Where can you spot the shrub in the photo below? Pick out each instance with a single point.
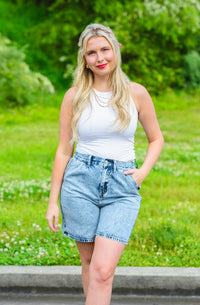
(155, 36)
(18, 84)
(192, 69)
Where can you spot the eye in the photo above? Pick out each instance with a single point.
(91, 52)
(106, 49)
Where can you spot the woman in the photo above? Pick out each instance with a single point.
(99, 184)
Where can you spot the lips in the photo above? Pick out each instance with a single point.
(101, 66)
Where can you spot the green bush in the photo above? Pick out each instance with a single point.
(155, 35)
(18, 84)
(192, 69)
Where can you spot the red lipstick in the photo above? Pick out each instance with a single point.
(101, 66)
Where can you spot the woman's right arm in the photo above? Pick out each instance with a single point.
(63, 155)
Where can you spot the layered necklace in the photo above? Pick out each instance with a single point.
(102, 101)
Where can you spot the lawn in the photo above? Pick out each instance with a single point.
(167, 230)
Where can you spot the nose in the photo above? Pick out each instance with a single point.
(99, 57)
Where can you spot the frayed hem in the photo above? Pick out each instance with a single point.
(112, 237)
(78, 238)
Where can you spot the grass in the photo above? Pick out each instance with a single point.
(167, 230)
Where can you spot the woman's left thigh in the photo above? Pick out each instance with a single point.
(105, 257)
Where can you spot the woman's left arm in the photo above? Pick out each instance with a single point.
(148, 119)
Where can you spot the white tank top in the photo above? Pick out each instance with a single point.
(99, 137)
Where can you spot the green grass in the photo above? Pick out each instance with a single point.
(167, 230)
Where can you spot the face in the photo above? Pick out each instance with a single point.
(99, 56)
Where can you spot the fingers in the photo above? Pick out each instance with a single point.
(130, 171)
(51, 224)
(135, 173)
(55, 225)
(52, 218)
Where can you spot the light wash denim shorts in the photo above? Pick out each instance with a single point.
(97, 198)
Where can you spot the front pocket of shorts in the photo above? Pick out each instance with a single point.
(132, 180)
(73, 166)
(68, 165)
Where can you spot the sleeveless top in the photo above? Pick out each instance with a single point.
(97, 134)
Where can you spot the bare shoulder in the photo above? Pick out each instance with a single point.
(139, 94)
(66, 106)
(69, 96)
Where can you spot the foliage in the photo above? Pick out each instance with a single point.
(155, 35)
(18, 84)
(192, 69)
(16, 22)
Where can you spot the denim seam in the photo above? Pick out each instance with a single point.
(112, 237)
(116, 167)
(101, 162)
(78, 238)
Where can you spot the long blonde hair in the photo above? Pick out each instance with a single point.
(84, 79)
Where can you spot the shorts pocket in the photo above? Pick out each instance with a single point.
(73, 167)
(138, 187)
(69, 163)
(134, 180)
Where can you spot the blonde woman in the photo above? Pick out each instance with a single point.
(100, 183)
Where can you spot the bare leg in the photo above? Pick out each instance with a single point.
(105, 258)
(85, 251)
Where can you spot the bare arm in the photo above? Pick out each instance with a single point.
(148, 119)
(63, 155)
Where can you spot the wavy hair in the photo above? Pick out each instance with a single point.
(84, 79)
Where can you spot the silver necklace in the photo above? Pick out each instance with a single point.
(100, 101)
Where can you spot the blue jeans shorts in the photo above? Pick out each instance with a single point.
(97, 198)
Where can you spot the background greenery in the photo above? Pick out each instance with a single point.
(159, 37)
(160, 49)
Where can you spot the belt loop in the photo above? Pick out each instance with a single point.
(89, 161)
(115, 165)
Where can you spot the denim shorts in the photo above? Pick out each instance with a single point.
(97, 198)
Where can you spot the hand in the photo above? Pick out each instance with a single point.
(137, 175)
(52, 217)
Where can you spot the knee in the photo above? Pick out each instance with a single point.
(101, 274)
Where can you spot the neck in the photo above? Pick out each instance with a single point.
(102, 84)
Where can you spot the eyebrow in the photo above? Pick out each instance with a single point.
(91, 50)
